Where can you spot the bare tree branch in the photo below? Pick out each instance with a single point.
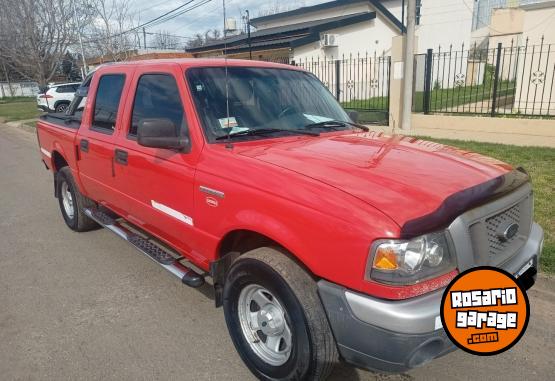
(36, 35)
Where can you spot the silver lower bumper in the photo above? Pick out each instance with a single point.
(399, 335)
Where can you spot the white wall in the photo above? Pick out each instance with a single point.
(363, 49)
(372, 37)
(539, 22)
(18, 89)
(534, 89)
(444, 22)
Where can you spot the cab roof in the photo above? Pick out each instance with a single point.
(202, 62)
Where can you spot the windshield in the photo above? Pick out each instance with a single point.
(272, 100)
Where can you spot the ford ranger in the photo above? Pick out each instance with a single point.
(323, 241)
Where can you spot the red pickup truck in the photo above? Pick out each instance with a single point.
(323, 241)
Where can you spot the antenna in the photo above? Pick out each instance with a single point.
(226, 79)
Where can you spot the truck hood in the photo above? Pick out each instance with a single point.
(404, 177)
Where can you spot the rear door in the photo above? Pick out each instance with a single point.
(158, 184)
(96, 139)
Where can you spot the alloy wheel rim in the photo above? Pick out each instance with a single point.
(67, 200)
(264, 325)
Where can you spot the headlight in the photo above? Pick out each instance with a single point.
(403, 262)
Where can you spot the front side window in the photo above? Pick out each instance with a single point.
(157, 97)
(247, 99)
(106, 102)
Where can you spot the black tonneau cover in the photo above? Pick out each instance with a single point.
(63, 120)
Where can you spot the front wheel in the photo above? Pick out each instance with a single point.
(275, 318)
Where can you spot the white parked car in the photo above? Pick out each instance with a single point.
(57, 97)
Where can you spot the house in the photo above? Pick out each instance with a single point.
(525, 20)
(526, 35)
(342, 28)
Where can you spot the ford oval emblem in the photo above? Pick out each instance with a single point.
(211, 201)
(506, 232)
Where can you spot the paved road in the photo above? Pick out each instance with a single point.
(88, 306)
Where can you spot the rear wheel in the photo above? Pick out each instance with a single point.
(275, 318)
(72, 203)
(61, 107)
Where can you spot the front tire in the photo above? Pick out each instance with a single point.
(72, 203)
(275, 318)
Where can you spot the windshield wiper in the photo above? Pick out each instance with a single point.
(334, 124)
(262, 131)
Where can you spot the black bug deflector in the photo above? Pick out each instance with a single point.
(462, 201)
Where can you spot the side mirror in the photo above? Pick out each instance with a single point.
(353, 115)
(160, 133)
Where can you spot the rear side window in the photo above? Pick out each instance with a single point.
(66, 89)
(157, 96)
(106, 102)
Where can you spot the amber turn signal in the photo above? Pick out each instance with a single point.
(385, 259)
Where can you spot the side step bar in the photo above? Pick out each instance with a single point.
(165, 259)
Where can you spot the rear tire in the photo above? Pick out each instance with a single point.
(283, 298)
(61, 107)
(72, 203)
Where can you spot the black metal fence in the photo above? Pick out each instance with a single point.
(511, 80)
(359, 82)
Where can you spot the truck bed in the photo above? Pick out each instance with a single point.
(56, 135)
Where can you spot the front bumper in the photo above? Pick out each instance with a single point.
(395, 336)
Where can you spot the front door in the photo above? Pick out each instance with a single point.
(158, 183)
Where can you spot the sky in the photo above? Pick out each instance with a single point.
(208, 16)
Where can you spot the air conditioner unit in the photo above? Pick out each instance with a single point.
(329, 40)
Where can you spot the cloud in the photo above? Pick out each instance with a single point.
(208, 16)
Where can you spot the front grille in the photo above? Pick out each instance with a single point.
(495, 223)
(476, 234)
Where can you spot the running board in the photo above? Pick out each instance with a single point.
(165, 259)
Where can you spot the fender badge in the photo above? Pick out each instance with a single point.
(211, 201)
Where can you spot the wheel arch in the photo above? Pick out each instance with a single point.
(61, 101)
(58, 161)
(238, 242)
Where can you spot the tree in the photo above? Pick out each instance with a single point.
(196, 42)
(35, 35)
(113, 32)
(164, 40)
(279, 7)
(69, 67)
(201, 39)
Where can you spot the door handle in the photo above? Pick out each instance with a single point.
(84, 144)
(121, 157)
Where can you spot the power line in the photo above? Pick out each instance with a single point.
(155, 21)
(149, 8)
(183, 11)
(201, 18)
